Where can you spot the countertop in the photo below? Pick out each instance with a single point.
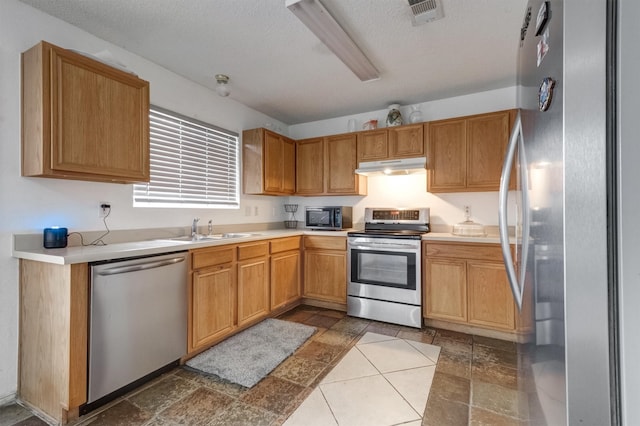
(152, 246)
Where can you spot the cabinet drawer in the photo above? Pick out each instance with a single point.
(258, 249)
(285, 244)
(212, 256)
(327, 243)
(477, 251)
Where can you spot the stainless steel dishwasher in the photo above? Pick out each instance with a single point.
(138, 320)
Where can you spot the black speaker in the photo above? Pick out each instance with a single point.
(55, 237)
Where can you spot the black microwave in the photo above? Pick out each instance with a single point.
(328, 218)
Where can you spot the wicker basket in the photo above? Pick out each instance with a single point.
(291, 224)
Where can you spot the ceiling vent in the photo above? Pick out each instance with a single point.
(425, 11)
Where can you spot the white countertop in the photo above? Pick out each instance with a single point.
(91, 253)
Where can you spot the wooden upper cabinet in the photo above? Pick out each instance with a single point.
(326, 166)
(466, 154)
(340, 166)
(373, 145)
(391, 143)
(406, 141)
(269, 163)
(82, 119)
(310, 166)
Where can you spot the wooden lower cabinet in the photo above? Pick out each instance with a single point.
(285, 272)
(466, 283)
(325, 268)
(253, 282)
(212, 296)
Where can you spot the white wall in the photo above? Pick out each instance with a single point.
(411, 191)
(29, 204)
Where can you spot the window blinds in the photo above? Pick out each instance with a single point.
(193, 164)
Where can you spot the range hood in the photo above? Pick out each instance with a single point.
(403, 166)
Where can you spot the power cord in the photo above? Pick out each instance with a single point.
(98, 241)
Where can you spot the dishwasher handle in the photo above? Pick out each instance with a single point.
(141, 266)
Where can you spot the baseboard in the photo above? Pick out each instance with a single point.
(478, 331)
(322, 304)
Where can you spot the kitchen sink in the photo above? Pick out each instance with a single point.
(197, 238)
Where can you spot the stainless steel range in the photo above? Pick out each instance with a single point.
(384, 266)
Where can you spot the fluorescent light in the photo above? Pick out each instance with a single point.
(318, 19)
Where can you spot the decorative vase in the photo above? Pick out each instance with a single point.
(416, 114)
(394, 118)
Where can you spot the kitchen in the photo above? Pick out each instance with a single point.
(24, 199)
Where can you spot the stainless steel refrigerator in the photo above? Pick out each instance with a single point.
(558, 267)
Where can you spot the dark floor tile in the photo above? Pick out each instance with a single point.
(456, 364)
(241, 414)
(480, 417)
(296, 316)
(452, 345)
(451, 388)
(302, 371)
(13, 413)
(197, 408)
(383, 328)
(273, 394)
(496, 373)
(503, 345)
(123, 413)
(318, 351)
(163, 393)
(351, 325)
(499, 399)
(333, 314)
(455, 335)
(212, 382)
(335, 338)
(417, 336)
(321, 321)
(441, 412)
(493, 355)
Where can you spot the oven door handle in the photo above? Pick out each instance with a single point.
(388, 247)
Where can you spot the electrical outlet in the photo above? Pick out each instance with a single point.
(255, 210)
(105, 209)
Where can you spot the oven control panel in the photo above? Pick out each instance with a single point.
(390, 215)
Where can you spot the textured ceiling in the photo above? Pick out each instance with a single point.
(277, 66)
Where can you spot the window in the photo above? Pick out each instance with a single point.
(193, 164)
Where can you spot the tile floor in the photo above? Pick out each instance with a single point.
(474, 383)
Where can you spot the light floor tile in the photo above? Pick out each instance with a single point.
(394, 355)
(370, 337)
(352, 366)
(416, 423)
(367, 401)
(413, 385)
(430, 351)
(314, 411)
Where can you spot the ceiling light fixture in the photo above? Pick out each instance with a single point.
(318, 19)
(222, 89)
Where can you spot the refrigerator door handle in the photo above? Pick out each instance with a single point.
(516, 136)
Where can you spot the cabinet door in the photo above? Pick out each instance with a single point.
(288, 166)
(310, 167)
(285, 278)
(487, 140)
(340, 165)
(273, 162)
(446, 290)
(83, 119)
(325, 275)
(213, 303)
(406, 141)
(253, 289)
(372, 145)
(447, 158)
(490, 300)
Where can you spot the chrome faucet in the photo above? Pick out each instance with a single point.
(194, 227)
(210, 226)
